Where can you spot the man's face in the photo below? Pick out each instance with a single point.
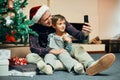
(46, 19)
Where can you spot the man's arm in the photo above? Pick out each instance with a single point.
(35, 46)
(74, 32)
(80, 35)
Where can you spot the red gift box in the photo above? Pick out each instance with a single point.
(18, 61)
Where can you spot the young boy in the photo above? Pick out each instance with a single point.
(61, 40)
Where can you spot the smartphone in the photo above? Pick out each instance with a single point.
(86, 19)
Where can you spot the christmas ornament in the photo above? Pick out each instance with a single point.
(8, 21)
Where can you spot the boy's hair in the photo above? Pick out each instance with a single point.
(56, 17)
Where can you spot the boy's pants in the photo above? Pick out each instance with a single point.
(77, 52)
(64, 57)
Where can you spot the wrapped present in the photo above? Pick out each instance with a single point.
(5, 54)
(18, 61)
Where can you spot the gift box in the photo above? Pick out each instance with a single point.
(5, 54)
(4, 67)
(17, 61)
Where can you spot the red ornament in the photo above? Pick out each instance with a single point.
(10, 38)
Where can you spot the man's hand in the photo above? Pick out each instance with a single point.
(57, 51)
(86, 29)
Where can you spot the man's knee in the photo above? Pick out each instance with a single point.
(80, 49)
(33, 58)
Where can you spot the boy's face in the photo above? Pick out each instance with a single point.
(60, 25)
(46, 19)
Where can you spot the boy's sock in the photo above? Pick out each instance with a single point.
(78, 68)
(47, 69)
(59, 65)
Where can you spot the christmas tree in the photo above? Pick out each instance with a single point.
(14, 26)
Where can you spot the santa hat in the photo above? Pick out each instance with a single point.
(37, 12)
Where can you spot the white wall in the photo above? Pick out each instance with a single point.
(108, 27)
(32, 3)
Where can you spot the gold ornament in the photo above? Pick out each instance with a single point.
(11, 14)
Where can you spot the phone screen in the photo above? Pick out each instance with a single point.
(86, 19)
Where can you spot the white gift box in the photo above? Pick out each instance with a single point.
(5, 54)
(4, 67)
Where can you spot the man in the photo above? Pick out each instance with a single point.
(41, 16)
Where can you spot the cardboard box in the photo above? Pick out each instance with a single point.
(19, 50)
(4, 67)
